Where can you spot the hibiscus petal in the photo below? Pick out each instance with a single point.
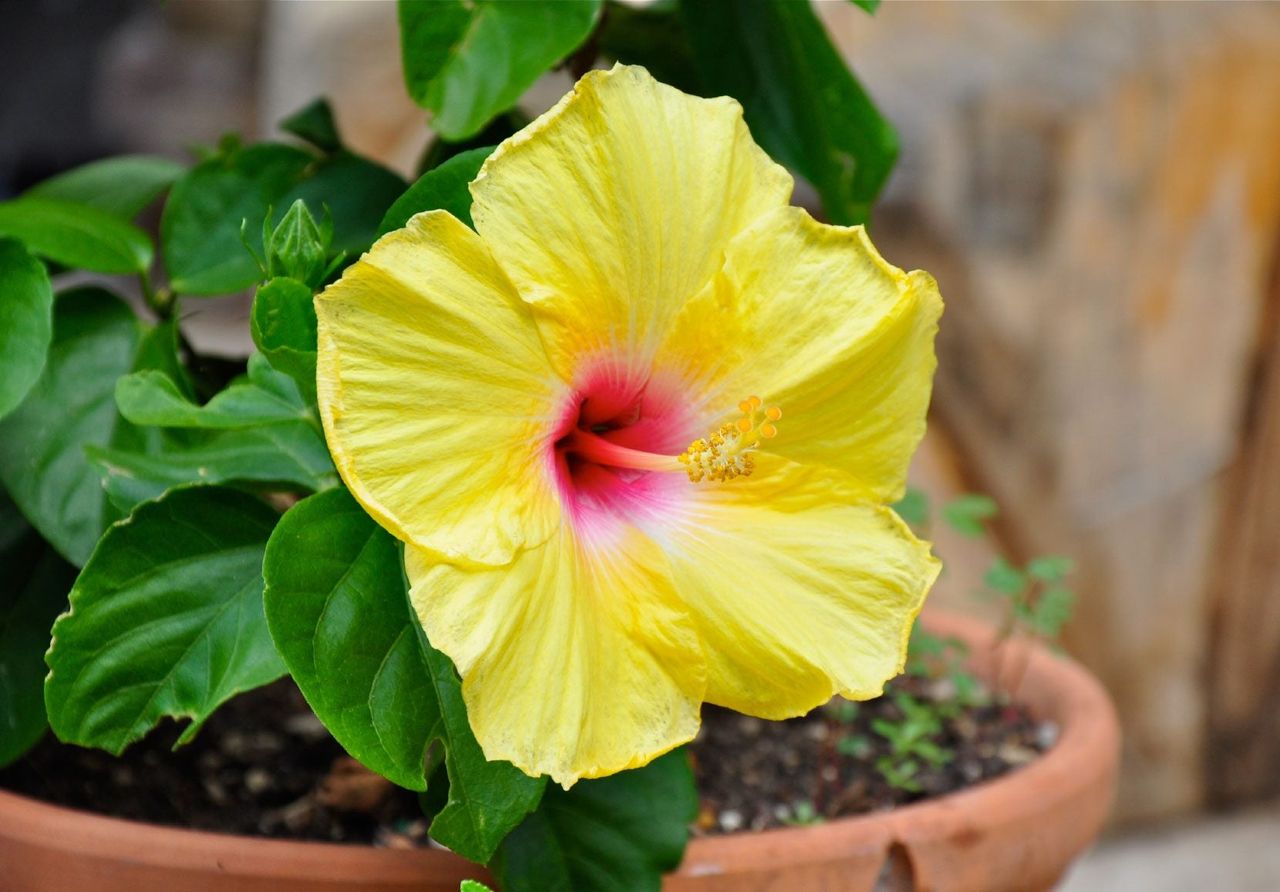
(614, 208)
(576, 660)
(812, 319)
(797, 593)
(437, 396)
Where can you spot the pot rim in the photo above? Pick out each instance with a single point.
(1052, 687)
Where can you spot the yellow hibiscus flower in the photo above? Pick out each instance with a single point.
(560, 416)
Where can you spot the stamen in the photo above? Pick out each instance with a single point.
(722, 455)
(727, 453)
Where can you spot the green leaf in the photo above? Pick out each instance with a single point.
(913, 507)
(440, 150)
(1052, 610)
(615, 834)
(283, 324)
(870, 6)
(34, 592)
(337, 607)
(166, 620)
(289, 457)
(200, 229)
(259, 429)
(76, 235)
(13, 526)
(965, 514)
(71, 406)
(1004, 577)
(120, 186)
(355, 191)
(26, 322)
(804, 106)
(486, 799)
(655, 38)
(265, 396)
(444, 187)
(1050, 567)
(314, 123)
(473, 886)
(468, 60)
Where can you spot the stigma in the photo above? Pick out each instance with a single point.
(727, 453)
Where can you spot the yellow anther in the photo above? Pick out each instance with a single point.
(726, 453)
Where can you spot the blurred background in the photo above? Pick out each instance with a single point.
(1096, 188)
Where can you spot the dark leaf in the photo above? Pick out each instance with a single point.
(26, 322)
(615, 834)
(32, 594)
(315, 124)
(445, 187)
(71, 406)
(339, 612)
(804, 106)
(166, 620)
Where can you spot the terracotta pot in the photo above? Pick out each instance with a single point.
(1019, 832)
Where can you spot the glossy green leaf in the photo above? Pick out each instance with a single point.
(870, 6)
(444, 187)
(339, 613)
(264, 396)
(355, 191)
(259, 429)
(71, 406)
(121, 186)
(289, 457)
(283, 325)
(336, 609)
(486, 799)
(468, 60)
(166, 620)
(26, 322)
(201, 228)
(76, 235)
(615, 834)
(315, 124)
(32, 594)
(804, 106)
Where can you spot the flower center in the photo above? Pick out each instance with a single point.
(720, 456)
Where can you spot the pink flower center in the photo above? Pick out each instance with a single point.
(622, 449)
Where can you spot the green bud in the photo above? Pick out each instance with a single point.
(298, 247)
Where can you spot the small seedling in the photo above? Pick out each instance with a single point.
(856, 746)
(803, 814)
